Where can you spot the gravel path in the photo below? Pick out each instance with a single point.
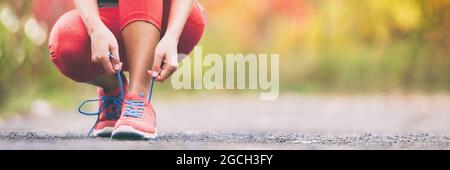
(291, 122)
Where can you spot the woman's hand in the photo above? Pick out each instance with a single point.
(166, 58)
(104, 44)
(103, 41)
(166, 55)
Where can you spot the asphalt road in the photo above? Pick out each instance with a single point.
(290, 122)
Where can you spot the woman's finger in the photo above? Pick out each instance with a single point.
(107, 65)
(94, 58)
(166, 73)
(156, 68)
(173, 58)
(114, 57)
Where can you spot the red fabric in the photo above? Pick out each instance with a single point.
(69, 43)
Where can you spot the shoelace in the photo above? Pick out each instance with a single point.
(134, 108)
(131, 105)
(107, 102)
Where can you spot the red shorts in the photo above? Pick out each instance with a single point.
(70, 46)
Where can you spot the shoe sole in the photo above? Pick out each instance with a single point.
(128, 132)
(105, 132)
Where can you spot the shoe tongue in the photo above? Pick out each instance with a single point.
(136, 97)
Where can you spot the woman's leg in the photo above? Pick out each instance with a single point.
(108, 82)
(69, 46)
(70, 49)
(193, 29)
(140, 22)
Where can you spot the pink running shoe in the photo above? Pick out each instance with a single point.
(110, 107)
(138, 119)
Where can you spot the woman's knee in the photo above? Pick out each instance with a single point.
(193, 30)
(69, 46)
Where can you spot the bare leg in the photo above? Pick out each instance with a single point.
(108, 82)
(140, 39)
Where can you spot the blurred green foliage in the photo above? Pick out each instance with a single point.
(344, 46)
(341, 46)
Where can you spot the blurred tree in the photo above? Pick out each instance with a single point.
(325, 46)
